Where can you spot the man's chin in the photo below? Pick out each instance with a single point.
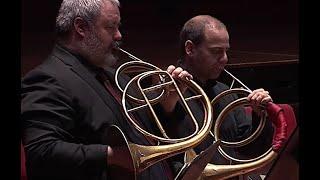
(110, 60)
(214, 76)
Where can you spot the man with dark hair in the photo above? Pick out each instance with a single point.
(204, 42)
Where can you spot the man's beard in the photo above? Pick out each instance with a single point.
(97, 53)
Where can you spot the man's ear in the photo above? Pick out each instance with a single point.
(189, 47)
(80, 26)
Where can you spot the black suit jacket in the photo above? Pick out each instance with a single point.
(66, 113)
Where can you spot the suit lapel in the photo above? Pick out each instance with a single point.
(87, 76)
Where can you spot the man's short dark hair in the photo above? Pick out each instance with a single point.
(193, 30)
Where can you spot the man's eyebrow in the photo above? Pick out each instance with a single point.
(219, 48)
(113, 24)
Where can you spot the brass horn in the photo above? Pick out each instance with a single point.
(144, 156)
(212, 171)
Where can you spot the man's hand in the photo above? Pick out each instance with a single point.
(258, 97)
(179, 73)
(170, 102)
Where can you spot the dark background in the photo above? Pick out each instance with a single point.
(263, 33)
(264, 38)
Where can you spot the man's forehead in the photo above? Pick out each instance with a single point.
(110, 10)
(217, 37)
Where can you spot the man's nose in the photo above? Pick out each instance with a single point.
(224, 58)
(117, 36)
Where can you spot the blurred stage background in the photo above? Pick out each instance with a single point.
(264, 36)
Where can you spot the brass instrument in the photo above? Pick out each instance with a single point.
(195, 165)
(212, 171)
(145, 156)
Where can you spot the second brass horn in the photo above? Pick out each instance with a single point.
(144, 156)
(213, 171)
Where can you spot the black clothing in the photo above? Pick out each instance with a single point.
(236, 126)
(66, 113)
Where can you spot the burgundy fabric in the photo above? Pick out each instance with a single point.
(23, 163)
(276, 115)
(284, 119)
(290, 118)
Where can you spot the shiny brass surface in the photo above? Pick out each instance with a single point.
(213, 171)
(144, 156)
